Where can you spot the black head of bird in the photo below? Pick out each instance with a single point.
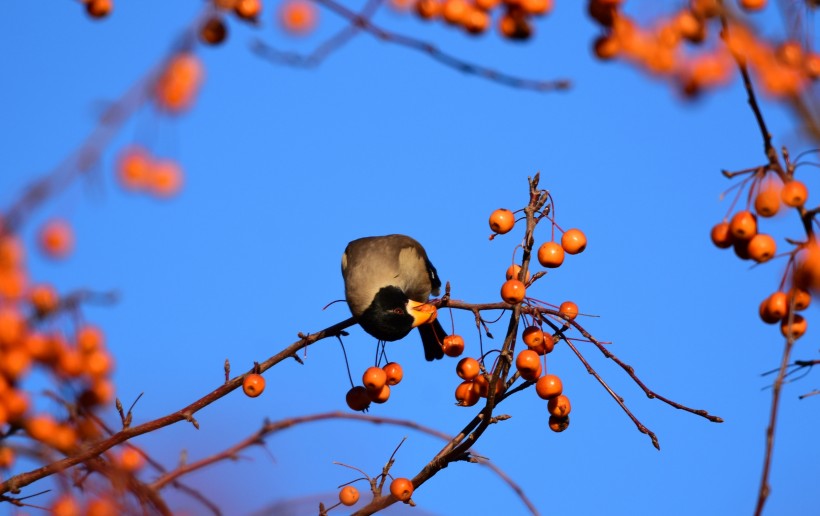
(388, 280)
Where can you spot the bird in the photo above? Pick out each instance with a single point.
(386, 279)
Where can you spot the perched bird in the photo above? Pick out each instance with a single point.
(386, 279)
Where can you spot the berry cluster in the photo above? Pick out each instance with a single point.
(529, 361)
(138, 171)
(768, 192)
(783, 70)
(475, 16)
(375, 388)
(78, 363)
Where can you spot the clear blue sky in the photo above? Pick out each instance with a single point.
(285, 166)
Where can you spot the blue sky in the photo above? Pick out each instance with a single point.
(285, 166)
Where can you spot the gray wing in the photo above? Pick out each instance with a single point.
(371, 263)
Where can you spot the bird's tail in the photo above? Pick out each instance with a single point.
(432, 335)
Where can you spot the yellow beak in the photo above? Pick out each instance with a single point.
(422, 313)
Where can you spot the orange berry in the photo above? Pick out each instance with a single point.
(514, 25)
(98, 8)
(486, 5)
(502, 221)
(514, 271)
(468, 368)
(777, 305)
(40, 347)
(374, 378)
(549, 386)
(89, 338)
(102, 507)
(476, 21)
(752, 5)
(801, 298)
(41, 427)
(56, 238)
(551, 255)
(15, 363)
(743, 225)
(133, 166)
(537, 7)
(213, 31)
(248, 9)
(807, 272)
(178, 84)
(454, 12)
(453, 345)
(573, 241)
(428, 9)
(765, 316)
(98, 364)
(44, 299)
(482, 385)
(64, 438)
(559, 406)
(16, 403)
(528, 364)
(6, 457)
(379, 396)
(66, 505)
(467, 394)
(349, 495)
(606, 47)
(165, 178)
(545, 347)
(253, 385)
(569, 309)
(12, 327)
(796, 329)
(794, 193)
(394, 373)
(11, 252)
(12, 284)
(762, 248)
(533, 336)
(513, 291)
(767, 202)
(69, 363)
(558, 424)
(131, 460)
(690, 26)
(102, 392)
(357, 398)
(401, 488)
(297, 16)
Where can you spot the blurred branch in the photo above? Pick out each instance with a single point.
(442, 57)
(15, 482)
(329, 46)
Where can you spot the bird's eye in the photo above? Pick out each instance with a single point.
(397, 311)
